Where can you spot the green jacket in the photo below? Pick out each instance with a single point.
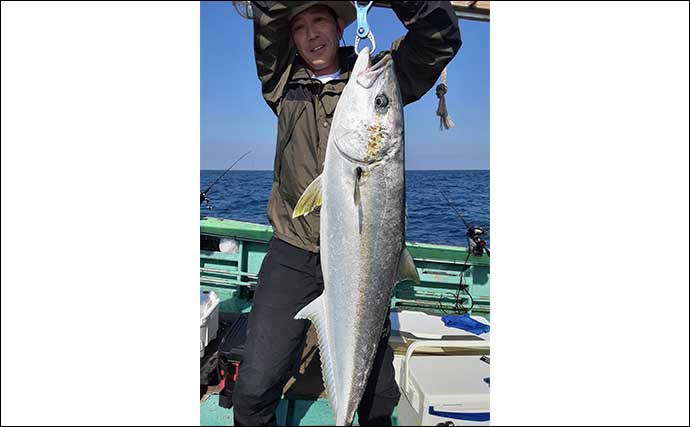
(305, 106)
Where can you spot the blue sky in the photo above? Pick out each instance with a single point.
(235, 119)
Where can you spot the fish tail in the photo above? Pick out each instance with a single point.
(315, 311)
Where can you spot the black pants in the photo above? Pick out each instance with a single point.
(289, 279)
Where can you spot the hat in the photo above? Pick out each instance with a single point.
(344, 9)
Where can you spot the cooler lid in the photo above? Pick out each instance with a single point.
(425, 326)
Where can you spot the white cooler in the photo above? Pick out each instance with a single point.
(209, 318)
(441, 388)
(411, 326)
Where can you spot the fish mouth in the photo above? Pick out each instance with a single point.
(370, 74)
(382, 63)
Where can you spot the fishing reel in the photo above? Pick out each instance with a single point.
(205, 199)
(475, 244)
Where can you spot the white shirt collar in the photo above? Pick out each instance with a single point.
(327, 77)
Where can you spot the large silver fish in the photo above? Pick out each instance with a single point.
(362, 197)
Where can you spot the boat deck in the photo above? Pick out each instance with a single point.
(304, 396)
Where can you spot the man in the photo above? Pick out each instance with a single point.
(303, 73)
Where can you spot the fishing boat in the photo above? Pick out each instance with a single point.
(453, 280)
(442, 372)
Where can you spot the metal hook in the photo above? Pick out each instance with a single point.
(371, 39)
(363, 26)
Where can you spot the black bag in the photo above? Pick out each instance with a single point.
(230, 352)
(209, 370)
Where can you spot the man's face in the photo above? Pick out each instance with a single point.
(316, 34)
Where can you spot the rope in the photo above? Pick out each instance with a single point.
(442, 111)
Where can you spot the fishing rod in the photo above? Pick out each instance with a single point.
(204, 198)
(475, 244)
(452, 206)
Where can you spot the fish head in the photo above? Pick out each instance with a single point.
(368, 125)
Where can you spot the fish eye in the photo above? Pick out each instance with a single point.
(381, 102)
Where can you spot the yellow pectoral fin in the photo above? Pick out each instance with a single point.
(406, 268)
(310, 200)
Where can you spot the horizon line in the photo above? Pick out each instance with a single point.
(410, 170)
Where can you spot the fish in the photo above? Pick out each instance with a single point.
(361, 197)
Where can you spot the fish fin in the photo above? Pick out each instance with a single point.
(406, 268)
(315, 311)
(358, 197)
(310, 200)
(357, 194)
(360, 218)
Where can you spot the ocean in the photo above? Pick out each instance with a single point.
(243, 196)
